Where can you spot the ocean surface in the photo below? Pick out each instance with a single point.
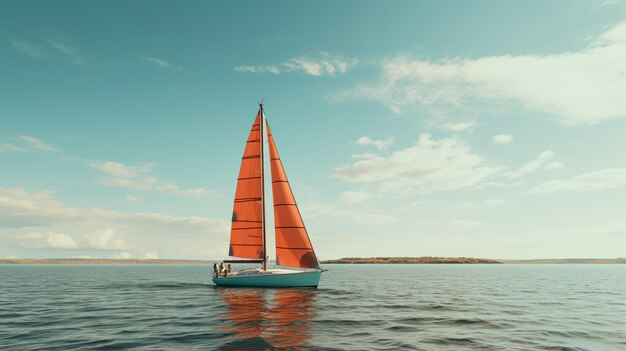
(356, 307)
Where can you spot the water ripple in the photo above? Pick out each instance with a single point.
(362, 307)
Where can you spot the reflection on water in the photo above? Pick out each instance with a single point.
(267, 319)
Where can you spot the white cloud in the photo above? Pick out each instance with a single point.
(379, 144)
(542, 161)
(138, 177)
(459, 126)
(124, 255)
(352, 197)
(105, 240)
(341, 215)
(22, 213)
(49, 240)
(603, 179)
(554, 165)
(118, 169)
(131, 198)
(495, 202)
(502, 139)
(615, 35)
(325, 65)
(195, 192)
(60, 241)
(151, 256)
(433, 165)
(365, 155)
(583, 87)
(450, 223)
(428, 166)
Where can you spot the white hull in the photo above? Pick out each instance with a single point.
(272, 278)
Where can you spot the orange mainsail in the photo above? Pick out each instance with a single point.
(246, 235)
(293, 247)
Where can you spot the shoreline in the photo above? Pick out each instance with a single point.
(345, 260)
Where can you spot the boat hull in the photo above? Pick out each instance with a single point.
(282, 280)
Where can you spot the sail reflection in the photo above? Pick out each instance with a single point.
(264, 319)
(291, 316)
(246, 310)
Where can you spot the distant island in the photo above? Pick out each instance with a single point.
(345, 260)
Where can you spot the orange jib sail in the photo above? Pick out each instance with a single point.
(293, 247)
(246, 235)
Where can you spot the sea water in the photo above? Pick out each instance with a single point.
(356, 307)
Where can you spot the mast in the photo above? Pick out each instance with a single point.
(262, 138)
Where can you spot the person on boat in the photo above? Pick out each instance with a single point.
(229, 268)
(220, 269)
(215, 269)
(225, 270)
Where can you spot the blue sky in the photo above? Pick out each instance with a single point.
(486, 128)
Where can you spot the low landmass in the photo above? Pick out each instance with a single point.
(471, 260)
(411, 260)
(345, 260)
(568, 261)
(97, 261)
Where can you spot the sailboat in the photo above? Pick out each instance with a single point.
(294, 251)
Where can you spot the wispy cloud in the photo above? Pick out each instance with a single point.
(502, 139)
(138, 177)
(543, 161)
(325, 65)
(352, 197)
(10, 148)
(258, 69)
(583, 87)
(382, 144)
(67, 51)
(27, 143)
(48, 45)
(38, 144)
(460, 126)
(603, 179)
(159, 62)
(26, 48)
